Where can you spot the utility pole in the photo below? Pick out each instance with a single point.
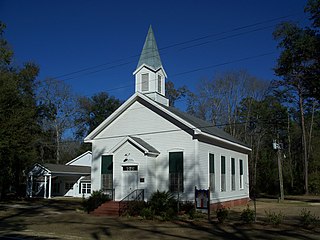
(277, 146)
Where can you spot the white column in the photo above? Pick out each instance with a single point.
(45, 187)
(50, 186)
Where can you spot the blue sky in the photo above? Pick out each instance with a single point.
(63, 37)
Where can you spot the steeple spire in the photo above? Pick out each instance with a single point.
(150, 75)
(150, 55)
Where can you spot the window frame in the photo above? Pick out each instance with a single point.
(223, 179)
(233, 174)
(85, 188)
(176, 167)
(145, 82)
(241, 185)
(159, 83)
(106, 172)
(212, 181)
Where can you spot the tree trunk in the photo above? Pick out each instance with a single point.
(289, 153)
(304, 143)
(311, 128)
(57, 144)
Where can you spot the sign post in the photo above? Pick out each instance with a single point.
(202, 200)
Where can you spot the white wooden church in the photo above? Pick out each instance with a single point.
(146, 144)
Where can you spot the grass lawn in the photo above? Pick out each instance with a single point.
(63, 219)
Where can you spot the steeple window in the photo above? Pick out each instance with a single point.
(145, 82)
(159, 83)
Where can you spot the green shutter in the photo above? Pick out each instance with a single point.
(106, 164)
(233, 167)
(211, 162)
(241, 167)
(223, 165)
(176, 162)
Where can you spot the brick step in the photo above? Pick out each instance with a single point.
(110, 208)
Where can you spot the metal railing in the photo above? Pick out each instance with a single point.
(136, 195)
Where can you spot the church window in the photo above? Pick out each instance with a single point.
(211, 172)
(223, 173)
(176, 171)
(107, 172)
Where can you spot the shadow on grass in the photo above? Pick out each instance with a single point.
(21, 236)
(17, 219)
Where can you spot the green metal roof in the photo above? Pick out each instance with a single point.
(150, 54)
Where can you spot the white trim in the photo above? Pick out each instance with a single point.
(135, 143)
(223, 140)
(44, 168)
(77, 158)
(137, 95)
(149, 67)
(109, 119)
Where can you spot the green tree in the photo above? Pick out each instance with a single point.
(174, 94)
(18, 118)
(93, 111)
(312, 71)
(262, 121)
(298, 65)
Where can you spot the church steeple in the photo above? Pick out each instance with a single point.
(150, 54)
(150, 75)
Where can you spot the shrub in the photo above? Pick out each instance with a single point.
(188, 208)
(94, 201)
(247, 215)
(192, 213)
(307, 219)
(147, 213)
(169, 214)
(222, 214)
(274, 218)
(163, 204)
(135, 208)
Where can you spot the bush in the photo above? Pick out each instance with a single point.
(163, 204)
(169, 214)
(188, 208)
(135, 208)
(222, 214)
(274, 218)
(307, 219)
(247, 215)
(94, 201)
(147, 213)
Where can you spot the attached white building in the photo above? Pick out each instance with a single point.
(71, 180)
(146, 144)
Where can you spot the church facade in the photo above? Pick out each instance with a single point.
(147, 144)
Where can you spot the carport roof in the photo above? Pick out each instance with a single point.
(65, 169)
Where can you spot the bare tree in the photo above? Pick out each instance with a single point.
(59, 109)
(217, 100)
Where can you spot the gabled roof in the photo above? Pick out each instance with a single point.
(204, 126)
(150, 55)
(194, 125)
(145, 147)
(79, 157)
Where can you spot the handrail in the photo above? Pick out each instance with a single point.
(136, 195)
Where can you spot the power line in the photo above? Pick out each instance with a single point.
(197, 69)
(181, 43)
(183, 129)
